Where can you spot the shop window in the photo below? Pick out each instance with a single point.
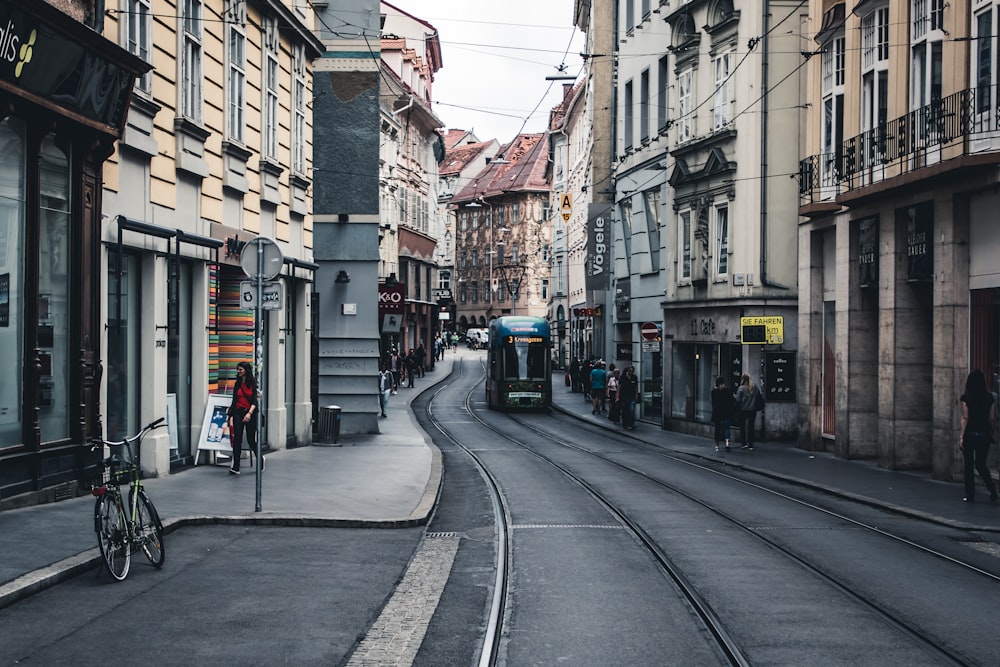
(12, 202)
(53, 291)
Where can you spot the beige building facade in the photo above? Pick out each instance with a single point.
(899, 276)
(216, 152)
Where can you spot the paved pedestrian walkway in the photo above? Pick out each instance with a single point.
(911, 493)
(386, 479)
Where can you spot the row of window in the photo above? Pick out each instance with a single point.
(136, 30)
(703, 237)
(474, 292)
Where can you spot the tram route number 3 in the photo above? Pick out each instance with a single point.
(272, 295)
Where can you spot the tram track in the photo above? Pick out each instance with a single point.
(934, 648)
(713, 622)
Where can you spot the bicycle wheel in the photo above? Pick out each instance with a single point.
(149, 531)
(112, 534)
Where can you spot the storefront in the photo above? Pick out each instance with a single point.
(65, 92)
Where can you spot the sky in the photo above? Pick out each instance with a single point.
(496, 56)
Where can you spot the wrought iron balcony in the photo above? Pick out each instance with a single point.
(961, 124)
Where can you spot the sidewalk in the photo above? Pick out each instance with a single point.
(910, 493)
(383, 480)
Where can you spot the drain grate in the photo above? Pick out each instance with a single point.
(440, 535)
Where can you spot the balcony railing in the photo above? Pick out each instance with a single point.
(960, 124)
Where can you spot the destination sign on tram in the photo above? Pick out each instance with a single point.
(524, 339)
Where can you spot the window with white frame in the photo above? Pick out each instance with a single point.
(644, 106)
(545, 289)
(875, 72)
(625, 213)
(684, 243)
(662, 85)
(444, 279)
(299, 109)
(833, 107)
(269, 130)
(722, 239)
(137, 28)
(926, 38)
(515, 253)
(628, 116)
(984, 59)
(652, 197)
(721, 113)
(545, 253)
(236, 70)
(685, 122)
(191, 56)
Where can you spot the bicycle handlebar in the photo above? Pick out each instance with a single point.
(100, 442)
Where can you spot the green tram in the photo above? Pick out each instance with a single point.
(518, 364)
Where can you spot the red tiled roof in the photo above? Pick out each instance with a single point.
(527, 156)
(456, 159)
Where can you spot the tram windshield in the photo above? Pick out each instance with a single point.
(525, 357)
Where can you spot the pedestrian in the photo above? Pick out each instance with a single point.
(748, 401)
(722, 412)
(395, 367)
(242, 414)
(598, 386)
(978, 418)
(574, 375)
(585, 369)
(385, 384)
(628, 394)
(420, 357)
(614, 403)
(410, 367)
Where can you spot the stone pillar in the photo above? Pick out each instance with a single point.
(951, 332)
(346, 213)
(857, 343)
(810, 353)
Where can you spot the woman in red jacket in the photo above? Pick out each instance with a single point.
(243, 413)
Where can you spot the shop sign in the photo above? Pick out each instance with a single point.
(391, 299)
(45, 62)
(868, 251)
(598, 246)
(919, 223)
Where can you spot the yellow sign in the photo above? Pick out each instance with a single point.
(566, 216)
(565, 202)
(762, 330)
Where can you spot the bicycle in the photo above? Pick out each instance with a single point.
(125, 529)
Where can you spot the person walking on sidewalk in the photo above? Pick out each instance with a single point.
(978, 417)
(722, 412)
(628, 395)
(748, 399)
(242, 414)
(385, 384)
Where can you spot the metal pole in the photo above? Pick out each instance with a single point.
(258, 346)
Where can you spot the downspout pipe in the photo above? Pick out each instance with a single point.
(765, 22)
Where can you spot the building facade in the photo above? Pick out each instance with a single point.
(65, 92)
(899, 283)
(503, 239)
(705, 143)
(217, 152)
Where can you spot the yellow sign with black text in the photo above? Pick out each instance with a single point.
(566, 202)
(762, 330)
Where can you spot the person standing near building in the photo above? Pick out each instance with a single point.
(722, 412)
(746, 403)
(978, 418)
(598, 386)
(243, 414)
(628, 395)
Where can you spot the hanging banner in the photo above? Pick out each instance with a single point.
(868, 251)
(598, 246)
(918, 223)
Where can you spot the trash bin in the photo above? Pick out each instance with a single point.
(329, 424)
